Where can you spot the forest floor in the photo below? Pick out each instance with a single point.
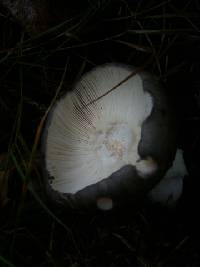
(32, 69)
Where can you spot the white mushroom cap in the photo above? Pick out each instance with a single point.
(110, 140)
(88, 140)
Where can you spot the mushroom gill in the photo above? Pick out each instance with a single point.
(89, 137)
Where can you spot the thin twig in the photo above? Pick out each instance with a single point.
(133, 73)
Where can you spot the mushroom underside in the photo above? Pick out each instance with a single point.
(100, 146)
(88, 140)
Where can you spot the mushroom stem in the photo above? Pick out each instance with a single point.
(169, 189)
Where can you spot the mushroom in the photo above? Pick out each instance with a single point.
(168, 191)
(110, 140)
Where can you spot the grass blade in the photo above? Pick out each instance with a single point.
(6, 262)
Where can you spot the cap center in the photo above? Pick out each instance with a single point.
(113, 143)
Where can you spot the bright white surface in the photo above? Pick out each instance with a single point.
(169, 190)
(86, 143)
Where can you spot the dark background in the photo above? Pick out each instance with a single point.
(76, 36)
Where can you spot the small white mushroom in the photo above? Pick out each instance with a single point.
(104, 203)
